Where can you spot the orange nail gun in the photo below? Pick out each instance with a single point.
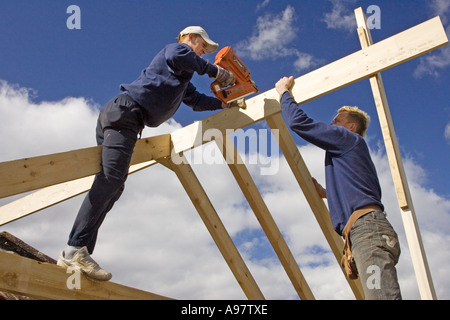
(244, 85)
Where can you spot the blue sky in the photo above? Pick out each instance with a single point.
(44, 63)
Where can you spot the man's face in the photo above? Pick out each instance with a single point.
(199, 46)
(342, 120)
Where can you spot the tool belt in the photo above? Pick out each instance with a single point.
(347, 261)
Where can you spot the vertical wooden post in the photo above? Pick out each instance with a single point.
(419, 260)
(215, 227)
(262, 213)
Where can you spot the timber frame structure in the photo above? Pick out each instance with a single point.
(64, 175)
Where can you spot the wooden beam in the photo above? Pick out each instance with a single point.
(41, 280)
(51, 196)
(256, 202)
(417, 251)
(227, 120)
(304, 179)
(216, 228)
(29, 174)
(385, 54)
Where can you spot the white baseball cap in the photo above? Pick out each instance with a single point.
(212, 46)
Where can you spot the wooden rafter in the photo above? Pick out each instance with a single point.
(216, 228)
(256, 202)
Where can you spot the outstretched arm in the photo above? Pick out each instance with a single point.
(331, 138)
(284, 84)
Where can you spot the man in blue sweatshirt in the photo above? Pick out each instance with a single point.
(352, 190)
(150, 100)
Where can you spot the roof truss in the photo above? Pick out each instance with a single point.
(64, 175)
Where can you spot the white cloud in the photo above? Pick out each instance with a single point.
(272, 34)
(154, 239)
(341, 15)
(447, 133)
(433, 63)
(46, 127)
(440, 8)
(262, 5)
(271, 39)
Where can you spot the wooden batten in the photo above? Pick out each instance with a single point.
(23, 175)
(211, 219)
(52, 195)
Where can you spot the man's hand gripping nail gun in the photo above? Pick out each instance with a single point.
(233, 81)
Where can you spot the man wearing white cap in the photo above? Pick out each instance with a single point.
(150, 100)
(211, 46)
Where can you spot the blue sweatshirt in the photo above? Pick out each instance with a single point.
(351, 178)
(165, 84)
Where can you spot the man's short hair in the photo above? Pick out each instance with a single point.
(361, 118)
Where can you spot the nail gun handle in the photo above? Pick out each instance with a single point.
(225, 77)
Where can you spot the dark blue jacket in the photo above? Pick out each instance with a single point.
(351, 178)
(165, 84)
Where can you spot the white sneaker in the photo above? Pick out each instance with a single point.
(84, 262)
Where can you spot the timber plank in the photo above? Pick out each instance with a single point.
(29, 174)
(382, 55)
(42, 280)
(52, 195)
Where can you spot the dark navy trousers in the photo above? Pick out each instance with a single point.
(118, 126)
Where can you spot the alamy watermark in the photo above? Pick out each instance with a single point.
(259, 147)
(374, 280)
(74, 20)
(73, 282)
(374, 20)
